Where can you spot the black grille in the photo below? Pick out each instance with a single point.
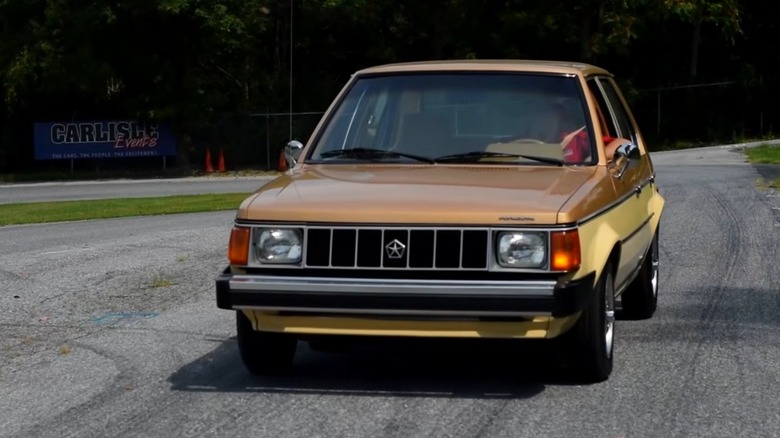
(397, 248)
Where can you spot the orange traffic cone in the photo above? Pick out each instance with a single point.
(221, 162)
(209, 166)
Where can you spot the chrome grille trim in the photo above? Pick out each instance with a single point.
(435, 235)
(460, 255)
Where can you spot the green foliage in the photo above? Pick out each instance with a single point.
(725, 14)
(764, 154)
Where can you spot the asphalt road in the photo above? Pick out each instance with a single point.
(61, 191)
(109, 328)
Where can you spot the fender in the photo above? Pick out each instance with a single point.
(597, 240)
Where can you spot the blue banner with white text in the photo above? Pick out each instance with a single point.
(102, 139)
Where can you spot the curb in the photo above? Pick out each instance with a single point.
(741, 146)
(192, 179)
(729, 147)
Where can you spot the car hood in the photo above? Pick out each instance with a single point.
(429, 194)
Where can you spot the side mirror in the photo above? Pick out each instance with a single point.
(292, 152)
(622, 155)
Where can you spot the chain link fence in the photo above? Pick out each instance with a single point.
(721, 112)
(670, 117)
(251, 141)
(246, 141)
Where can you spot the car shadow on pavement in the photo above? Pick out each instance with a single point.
(402, 368)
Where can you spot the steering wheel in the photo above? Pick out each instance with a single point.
(526, 140)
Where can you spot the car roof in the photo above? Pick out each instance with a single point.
(489, 65)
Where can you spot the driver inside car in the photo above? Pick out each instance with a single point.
(572, 133)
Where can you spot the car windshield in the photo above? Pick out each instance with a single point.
(485, 118)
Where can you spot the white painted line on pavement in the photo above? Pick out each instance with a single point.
(64, 251)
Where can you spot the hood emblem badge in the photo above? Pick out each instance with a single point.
(395, 249)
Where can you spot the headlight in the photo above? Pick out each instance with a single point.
(522, 249)
(277, 245)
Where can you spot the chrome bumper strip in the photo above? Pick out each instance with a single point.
(314, 285)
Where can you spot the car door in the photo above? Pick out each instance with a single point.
(633, 186)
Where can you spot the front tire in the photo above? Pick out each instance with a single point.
(264, 353)
(640, 300)
(590, 343)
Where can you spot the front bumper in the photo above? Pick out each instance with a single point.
(350, 296)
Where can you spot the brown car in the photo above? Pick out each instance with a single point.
(482, 199)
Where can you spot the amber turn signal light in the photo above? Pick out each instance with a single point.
(565, 253)
(238, 250)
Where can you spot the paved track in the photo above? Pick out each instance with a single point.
(61, 191)
(110, 329)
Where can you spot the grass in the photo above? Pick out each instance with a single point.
(764, 184)
(764, 154)
(162, 282)
(64, 211)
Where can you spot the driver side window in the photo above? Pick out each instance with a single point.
(604, 110)
(621, 115)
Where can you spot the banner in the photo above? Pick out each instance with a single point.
(104, 139)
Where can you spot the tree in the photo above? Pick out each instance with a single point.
(724, 14)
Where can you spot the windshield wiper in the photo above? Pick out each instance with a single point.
(476, 155)
(373, 154)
